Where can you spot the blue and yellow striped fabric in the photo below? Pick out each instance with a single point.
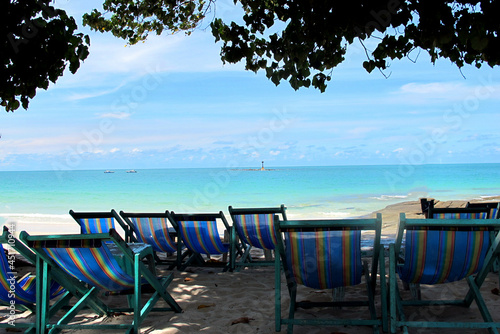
(22, 292)
(256, 230)
(202, 237)
(95, 266)
(433, 257)
(461, 215)
(154, 231)
(494, 213)
(324, 259)
(96, 225)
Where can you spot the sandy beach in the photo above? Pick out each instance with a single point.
(243, 302)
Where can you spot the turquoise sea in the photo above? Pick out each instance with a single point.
(36, 197)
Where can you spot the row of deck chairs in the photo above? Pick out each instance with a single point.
(194, 238)
(319, 254)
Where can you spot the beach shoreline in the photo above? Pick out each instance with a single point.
(35, 223)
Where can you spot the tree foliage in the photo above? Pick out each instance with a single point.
(133, 20)
(290, 40)
(302, 41)
(38, 42)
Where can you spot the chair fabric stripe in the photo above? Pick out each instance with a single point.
(154, 231)
(96, 225)
(202, 237)
(95, 266)
(324, 259)
(23, 292)
(460, 215)
(256, 230)
(433, 257)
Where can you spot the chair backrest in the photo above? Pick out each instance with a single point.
(86, 257)
(325, 254)
(10, 289)
(492, 207)
(152, 229)
(22, 291)
(442, 250)
(456, 213)
(199, 232)
(102, 222)
(255, 226)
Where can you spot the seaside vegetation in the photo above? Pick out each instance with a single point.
(295, 41)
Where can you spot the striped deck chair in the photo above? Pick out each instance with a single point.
(153, 229)
(109, 267)
(102, 222)
(200, 235)
(20, 293)
(438, 252)
(253, 228)
(326, 254)
(492, 207)
(458, 213)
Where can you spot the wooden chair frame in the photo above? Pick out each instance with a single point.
(84, 229)
(195, 257)
(369, 274)
(131, 264)
(398, 318)
(239, 240)
(160, 242)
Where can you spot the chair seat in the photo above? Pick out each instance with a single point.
(253, 228)
(440, 251)
(88, 258)
(326, 254)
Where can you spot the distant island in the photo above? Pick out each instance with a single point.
(254, 169)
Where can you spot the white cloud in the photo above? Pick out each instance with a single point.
(361, 131)
(433, 88)
(117, 115)
(449, 91)
(114, 149)
(398, 150)
(274, 152)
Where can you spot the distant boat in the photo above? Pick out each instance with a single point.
(108, 171)
(132, 171)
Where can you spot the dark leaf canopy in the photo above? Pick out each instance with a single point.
(302, 41)
(38, 42)
(297, 41)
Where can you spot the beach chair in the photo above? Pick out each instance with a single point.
(253, 227)
(447, 213)
(153, 229)
(200, 235)
(108, 267)
(326, 254)
(458, 213)
(439, 251)
(102, 222)
(492, 207)
(19, 294)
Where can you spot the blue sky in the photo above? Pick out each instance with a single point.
(170, 102)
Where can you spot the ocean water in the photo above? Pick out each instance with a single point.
(38, 197)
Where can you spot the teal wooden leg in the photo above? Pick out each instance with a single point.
(383, 292)
(277, 293)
